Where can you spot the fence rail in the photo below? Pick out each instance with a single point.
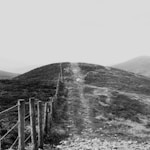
(43, 124)
(7, 110)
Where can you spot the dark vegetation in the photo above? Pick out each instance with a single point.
(117, 113)
(126, 97)
(116, 79)
(123, 106)
(120, 106)
(12, 90)
(39, 83)
(45, 74)
(59, 117)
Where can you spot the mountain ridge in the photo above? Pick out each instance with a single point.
(7, 75)
(139, 65)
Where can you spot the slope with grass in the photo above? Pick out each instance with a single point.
(102, 102)
(107, 104)
(39, 83)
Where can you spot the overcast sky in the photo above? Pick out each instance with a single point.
(104, 32)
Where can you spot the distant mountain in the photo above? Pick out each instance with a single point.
(7, 75)
(139, 65)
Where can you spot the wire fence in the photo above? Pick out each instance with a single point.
(43, 124)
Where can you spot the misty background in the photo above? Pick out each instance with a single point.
(36, 33)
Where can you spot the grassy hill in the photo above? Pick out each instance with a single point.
(115, 78)
(124, 94)
(139, 65)
(124, 89)
(7, 75)
(39, 83)
(102, 100)
(107, 104)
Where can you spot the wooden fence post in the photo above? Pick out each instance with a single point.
(45, 118)
(0, 144)
(49, 117)
(21, 125)
(33, 124)
(40, 129)
(51, 112)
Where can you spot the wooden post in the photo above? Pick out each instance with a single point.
(21, 125)
(49, 117)
(33, 124)
(54, 107)
(45, 118)
(51, 109)
(0, 144)
(40, 129)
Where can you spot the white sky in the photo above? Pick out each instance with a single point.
(104, 32)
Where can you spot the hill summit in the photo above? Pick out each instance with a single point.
(98, 97)
(139, 65)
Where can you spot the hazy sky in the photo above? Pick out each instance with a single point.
(104, 32)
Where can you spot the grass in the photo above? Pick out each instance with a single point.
(39, 83)
(114, 78)
(118, 113)
(107, 91)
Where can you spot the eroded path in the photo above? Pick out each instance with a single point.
(78, 104)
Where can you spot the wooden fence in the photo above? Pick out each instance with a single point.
(37, 111)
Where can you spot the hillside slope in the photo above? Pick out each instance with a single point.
(7, 75)
(109, 92)
(102, 102)
(39, 83)
(106, 104)
(139, 65)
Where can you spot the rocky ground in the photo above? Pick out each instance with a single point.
(99, 144)
(78, 143)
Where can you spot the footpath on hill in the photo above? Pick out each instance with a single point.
(83, 135)
(78, 104)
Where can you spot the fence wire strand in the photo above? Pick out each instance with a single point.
(26, 117)
(6, 110)
(8, 132)
(14, 143)
(26, 140)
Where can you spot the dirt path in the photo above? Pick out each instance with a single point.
(79, 81)
(79, 105)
